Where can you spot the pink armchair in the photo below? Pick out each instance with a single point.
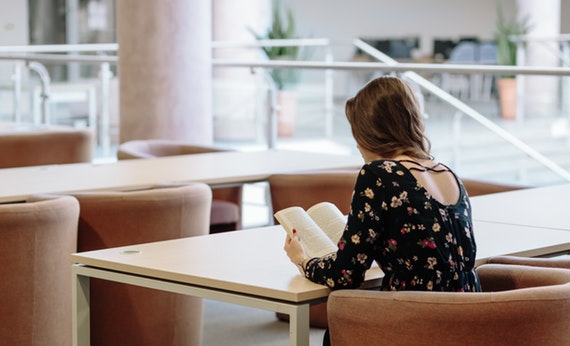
(38, 235)
(520, 305)
(227, 201)
(45, 146)
(130, 315)
(306, 189)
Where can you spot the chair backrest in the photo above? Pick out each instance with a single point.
(487, 53)
(465, 52)
(226, 214)
(45, 146)
(442, 48)
(305, 189)
(37, 238)
(130, 315)
(477, 187)
(149, 148)
(119, 218)
(553, 262)
(527, 314)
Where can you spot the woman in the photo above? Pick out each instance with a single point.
(408, 213)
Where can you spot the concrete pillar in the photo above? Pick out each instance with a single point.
(541, 92)
(239, 110)
(165, 69)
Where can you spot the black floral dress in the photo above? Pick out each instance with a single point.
(419, 243)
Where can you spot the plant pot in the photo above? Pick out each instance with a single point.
(286, 112)
(507, 88)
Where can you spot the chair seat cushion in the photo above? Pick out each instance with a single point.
(224, 212)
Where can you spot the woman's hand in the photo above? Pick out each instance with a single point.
(294, 249)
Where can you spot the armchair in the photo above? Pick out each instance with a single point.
(477, 187)
(45, 146)
(227, 201)
(131, 315)
(520, 305)
(305, 189)
(38, 235)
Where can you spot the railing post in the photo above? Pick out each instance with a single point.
(329, 95)
(105, 75)
(565, 48)
(45, 81)
(521, 61)
(272, 110)
(17, 82)
(455, 151)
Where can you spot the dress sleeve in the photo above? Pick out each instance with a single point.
(357, 246)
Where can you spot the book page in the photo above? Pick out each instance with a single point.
(329, 218)
(315, 242)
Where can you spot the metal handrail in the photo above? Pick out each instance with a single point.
(388, 65)
(61, 48)
(400, 67)
(317, 65)
(480, 118)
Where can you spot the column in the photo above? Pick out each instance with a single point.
(240, 108)
(165, 69)
(541, 92)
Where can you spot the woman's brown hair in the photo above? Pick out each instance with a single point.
(386, 119)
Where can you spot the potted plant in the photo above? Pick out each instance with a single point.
(507, 55)
(283, 27)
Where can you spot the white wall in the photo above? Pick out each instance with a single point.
(13, 31)
(13, 22)
(388, 18)
(427, 19)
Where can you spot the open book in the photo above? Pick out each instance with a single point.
(320, 227)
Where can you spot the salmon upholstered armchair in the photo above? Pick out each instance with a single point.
(305, 189)
(552, 262)
(227, 201)
(45, 146)
(520, 305)
(38, 236)
(130, 315)
(478, 187)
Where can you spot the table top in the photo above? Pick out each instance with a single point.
(493, 238)
(544, 207)
(253, 261)
(16, 184)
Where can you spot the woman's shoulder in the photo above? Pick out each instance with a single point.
(384, 167)
(383, 173)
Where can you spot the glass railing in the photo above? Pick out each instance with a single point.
(460, 103)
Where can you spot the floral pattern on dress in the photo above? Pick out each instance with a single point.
(419, 243)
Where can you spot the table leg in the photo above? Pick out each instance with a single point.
(80, 307)
(299, 326)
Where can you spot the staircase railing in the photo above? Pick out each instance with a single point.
(386, 65)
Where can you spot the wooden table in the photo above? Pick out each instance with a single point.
(544, 207)
(243, 267)
(250, 268)
(220, 168)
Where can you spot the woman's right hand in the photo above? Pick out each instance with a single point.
(294, 249)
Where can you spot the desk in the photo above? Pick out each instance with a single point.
(247, 268)
(16, 184)
(544, 207)
(250, 268)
